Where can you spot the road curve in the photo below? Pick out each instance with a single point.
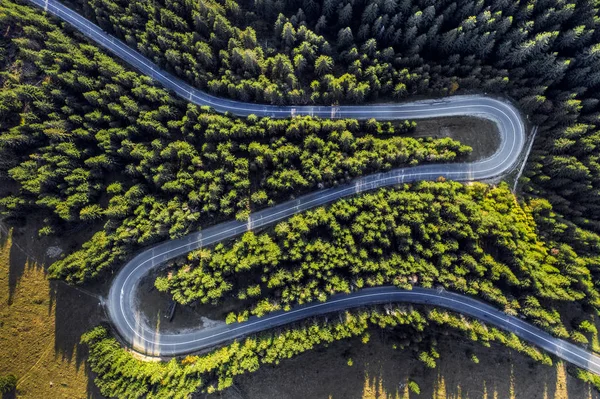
(121, 304)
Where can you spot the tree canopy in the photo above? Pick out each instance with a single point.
(84, 140)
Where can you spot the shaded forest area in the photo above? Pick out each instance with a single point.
(542, 53)
(87, 141)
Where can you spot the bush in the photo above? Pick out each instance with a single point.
(414, 387)
(8, 383)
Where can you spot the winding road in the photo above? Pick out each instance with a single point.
(123, 309)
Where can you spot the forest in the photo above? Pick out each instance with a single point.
(85, 140)
(473, 239)
(542, 53)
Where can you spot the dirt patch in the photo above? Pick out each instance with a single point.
(380, 371)
(481, 134)
(156, 305)
(155, 308)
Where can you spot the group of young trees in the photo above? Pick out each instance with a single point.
(473, 239)
(84, 140)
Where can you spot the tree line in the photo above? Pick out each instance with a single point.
(120, 374)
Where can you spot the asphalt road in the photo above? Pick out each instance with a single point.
(123, 308)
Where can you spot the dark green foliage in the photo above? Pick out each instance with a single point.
(8, 383)
(86, 140)
(543, 54)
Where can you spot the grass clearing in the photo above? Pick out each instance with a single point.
(28, 346)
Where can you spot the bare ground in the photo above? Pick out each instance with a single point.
(380, 371)
(480, 134)
(156, 304)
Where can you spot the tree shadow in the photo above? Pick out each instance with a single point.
(9, 395)
(29, 248)
(93, 392)
(76, 311)
(382, 372)
(18, 260)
